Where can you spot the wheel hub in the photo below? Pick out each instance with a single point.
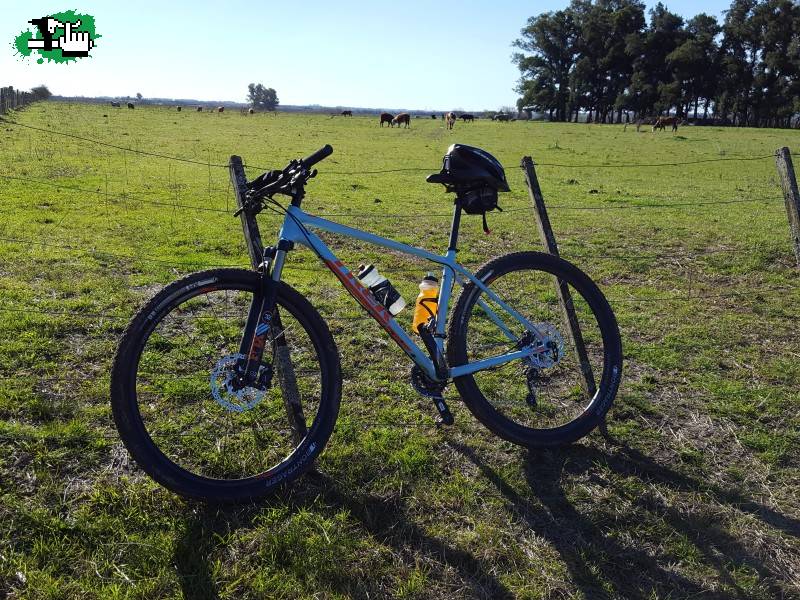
(548, 348)
(229, 389)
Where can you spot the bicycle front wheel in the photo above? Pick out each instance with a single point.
(562, 393)
(178, 408)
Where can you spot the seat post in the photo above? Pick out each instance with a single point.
(454, 226)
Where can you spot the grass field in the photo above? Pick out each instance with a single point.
(693, 493)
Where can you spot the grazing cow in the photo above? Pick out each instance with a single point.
(347, 113)
(179, 109)
(220, 109)
(433, 116)
(450, 119)
(115, 104)
(199, 109)
(387, 118)
(402, 118)
(131, 106)
(501, 117)
(467, 118)
(662, 122)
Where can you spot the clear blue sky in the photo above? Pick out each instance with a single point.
(409, 54)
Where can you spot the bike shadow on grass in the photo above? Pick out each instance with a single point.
(600, 564)
(386, 520)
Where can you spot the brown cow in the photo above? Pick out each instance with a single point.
(387, 118)
(450, 119)
(402, 118)
(347, 113)
(662, 122)
(220, 109)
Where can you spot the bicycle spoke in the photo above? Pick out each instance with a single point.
(182, 414)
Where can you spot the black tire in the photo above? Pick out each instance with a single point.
(501, 411)
(222, 294)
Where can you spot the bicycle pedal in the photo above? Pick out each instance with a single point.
(445, 416)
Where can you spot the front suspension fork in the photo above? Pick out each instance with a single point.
(261, 319)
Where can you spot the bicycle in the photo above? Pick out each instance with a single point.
(193, 391)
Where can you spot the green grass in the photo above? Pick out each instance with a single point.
(693, 494)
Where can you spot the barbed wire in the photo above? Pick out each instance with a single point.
(115, 146)
(134, 198)
(749, 294)
(392, 170)
(647, 165)
(565, 251)
(127, 257)
(126, 197)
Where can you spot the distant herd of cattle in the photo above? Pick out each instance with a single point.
(658, 123)
(405, 118)
(218, 109)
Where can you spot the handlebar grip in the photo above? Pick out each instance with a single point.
(317, 156)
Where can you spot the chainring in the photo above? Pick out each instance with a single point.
(425, 385)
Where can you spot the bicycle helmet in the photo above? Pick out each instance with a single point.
(467, 167)
(475, 176)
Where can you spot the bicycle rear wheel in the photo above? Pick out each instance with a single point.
(181, 416)
(524, 401)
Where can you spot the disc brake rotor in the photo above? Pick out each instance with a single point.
(549, 349)
(227, 393)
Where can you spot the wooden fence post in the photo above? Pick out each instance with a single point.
(282, 359)
(562, 289)
(791, 196)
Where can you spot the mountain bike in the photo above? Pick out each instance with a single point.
(227, 383)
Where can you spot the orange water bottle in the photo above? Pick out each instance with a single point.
(427, 302)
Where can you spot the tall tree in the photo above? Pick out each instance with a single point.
(601, 57)
(262, 98)
(41, 92)
(653, 85)
(549, 41)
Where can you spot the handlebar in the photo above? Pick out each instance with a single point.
(317, 156)
(290, 181)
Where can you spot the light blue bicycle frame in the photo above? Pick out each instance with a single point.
(295, 229)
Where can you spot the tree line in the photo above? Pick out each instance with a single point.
(603, 58)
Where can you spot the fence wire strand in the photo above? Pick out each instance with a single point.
(207, 163)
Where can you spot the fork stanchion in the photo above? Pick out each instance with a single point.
(562, 289)
(282, 358)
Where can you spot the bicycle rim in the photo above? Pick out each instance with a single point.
(185, 400)
(549, 391)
